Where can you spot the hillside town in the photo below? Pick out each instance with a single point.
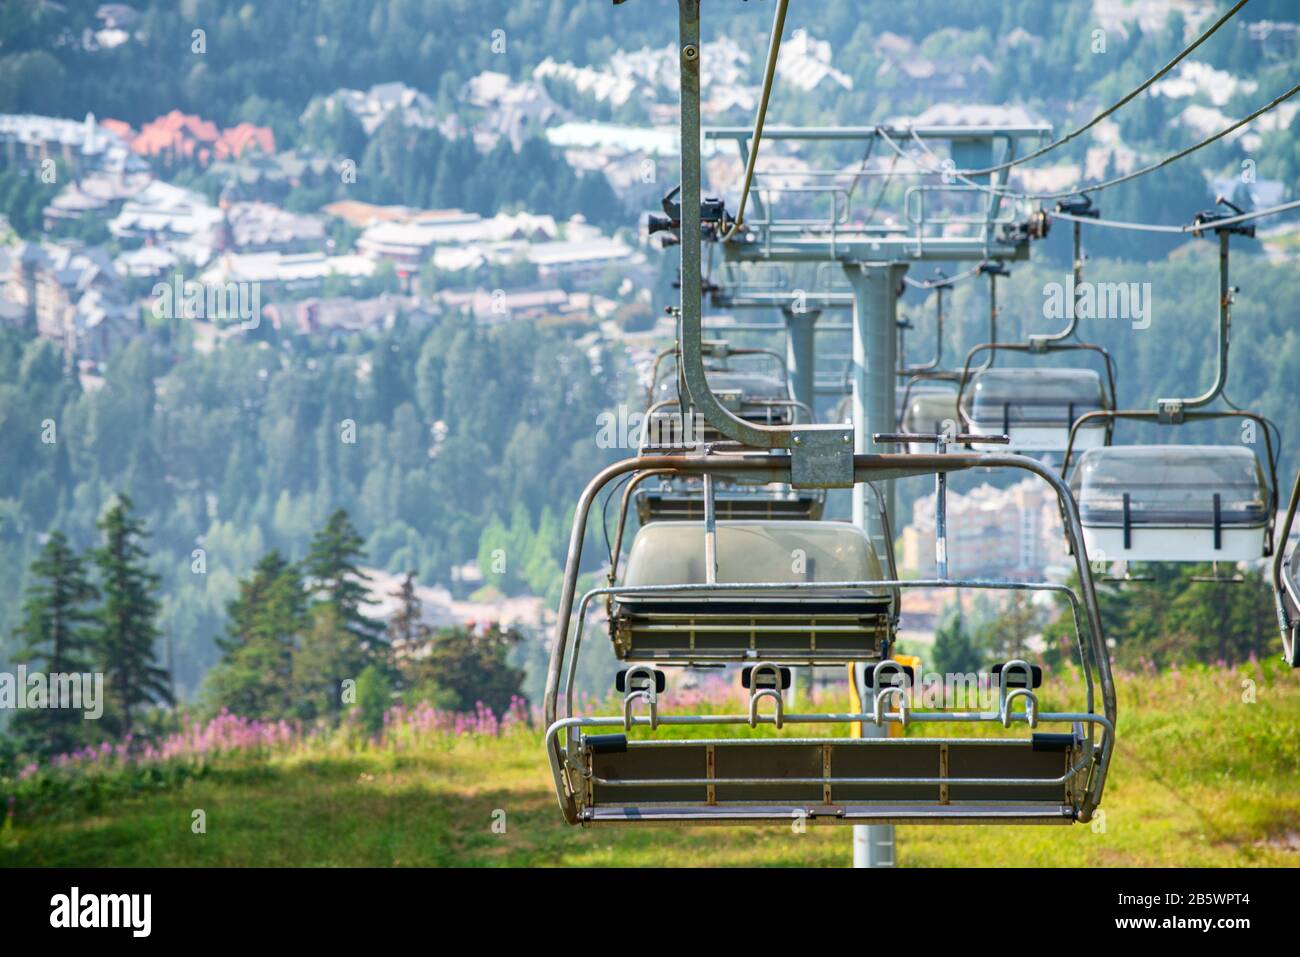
(130, 207)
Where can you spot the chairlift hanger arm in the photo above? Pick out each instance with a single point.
(931, 365)
(1079, 210)
(1175, 408)
(993, 269)
(823, 450)
(691, 364)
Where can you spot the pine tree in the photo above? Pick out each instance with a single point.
(127, 629)
(254, 677)
(54, 634)
(342, 640)
(408, 635)
(953, 652)
(333, 569)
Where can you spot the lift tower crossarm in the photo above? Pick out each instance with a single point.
(864, 132)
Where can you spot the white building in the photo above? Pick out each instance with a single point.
(805, 63)
(373, 106)
(513, 110)
(1013, 532)
(263, 227)
(96, 193)
(410, 241)
(290, 271)
(650, 76)
(85, 146)
(169, 216)
(72, 295)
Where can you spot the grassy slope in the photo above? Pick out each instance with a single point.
(1200, 778)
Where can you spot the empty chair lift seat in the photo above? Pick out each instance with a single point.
(754, 396)
(1182, 503)
(727, 622)
(1035, 407)
(683, 500)
(932, 411)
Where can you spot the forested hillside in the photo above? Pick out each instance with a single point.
(424, 434)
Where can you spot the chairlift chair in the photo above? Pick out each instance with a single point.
(1176, 503)
(1036, 407)
(1173, 503)
(1181, 503)
(1286, 584)
(765, 595)
(930, 409)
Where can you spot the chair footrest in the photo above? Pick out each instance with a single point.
(705, 815)
(921, 779)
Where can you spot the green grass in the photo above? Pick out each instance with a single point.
(1200, 777)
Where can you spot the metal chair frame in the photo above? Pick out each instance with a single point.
(1285, 591)
(697, 788)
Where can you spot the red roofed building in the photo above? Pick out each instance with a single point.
(183, 136)
(235, 140)
(119, 127)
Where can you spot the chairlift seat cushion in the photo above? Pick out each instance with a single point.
(749, 552)
(729, 623)
(931, 412)
(686, 503)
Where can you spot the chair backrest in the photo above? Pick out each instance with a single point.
(666, 609)
(685, 502)
(751, 551)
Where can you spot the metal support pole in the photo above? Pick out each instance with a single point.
(801, 366)
(801, 354)
(875, 353)
(875, 359)
(941, 514)
(710, 533)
